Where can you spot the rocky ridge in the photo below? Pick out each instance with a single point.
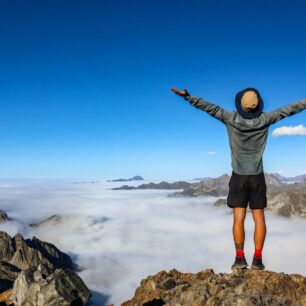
(35, 272)
(241, 287)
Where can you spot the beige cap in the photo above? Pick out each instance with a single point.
(249, 101)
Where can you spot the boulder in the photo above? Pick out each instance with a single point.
(46, 287)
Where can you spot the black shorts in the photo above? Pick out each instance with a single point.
(247, 188)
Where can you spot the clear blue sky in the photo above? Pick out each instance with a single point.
(85, 85)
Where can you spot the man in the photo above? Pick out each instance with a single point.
(247, 130)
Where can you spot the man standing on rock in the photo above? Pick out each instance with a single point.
(247, 130)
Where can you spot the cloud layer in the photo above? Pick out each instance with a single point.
(289, 130)
(120, 237)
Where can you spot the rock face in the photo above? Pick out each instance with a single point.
(44, 287)
(36, 273)
(241, 287)
(26, 253)
(161, 185)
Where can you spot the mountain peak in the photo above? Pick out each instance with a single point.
(241, 287)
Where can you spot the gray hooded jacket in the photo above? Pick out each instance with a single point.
(247, 137)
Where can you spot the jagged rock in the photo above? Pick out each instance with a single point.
(53, 220)
(25, 253)
(42, 287)
(241, 287)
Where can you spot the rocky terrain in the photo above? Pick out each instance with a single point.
(35, 272)
(241, 287)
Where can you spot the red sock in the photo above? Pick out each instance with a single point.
(239, 253)
(257, 253)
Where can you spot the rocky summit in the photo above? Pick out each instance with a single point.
(241, 287)
(37, 273)
(26, 253)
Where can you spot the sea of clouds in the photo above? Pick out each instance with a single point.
(118, 237)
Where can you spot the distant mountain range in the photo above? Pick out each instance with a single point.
(134, 178)
(289, 179)
(283, 198)
(161, 185)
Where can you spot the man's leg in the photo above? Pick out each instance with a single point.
(238, 227)
(259, 237)
(238, 233)
(260, 228)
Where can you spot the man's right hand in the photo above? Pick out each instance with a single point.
(184, 93)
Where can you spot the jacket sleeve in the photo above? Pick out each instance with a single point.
(285, 111)
(212, 109)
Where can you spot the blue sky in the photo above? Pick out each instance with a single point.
(85, 85)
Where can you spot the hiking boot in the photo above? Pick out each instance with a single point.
(257, 264)
(240, 263)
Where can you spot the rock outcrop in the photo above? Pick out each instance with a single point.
(241, 287)
(45, 287)
(36, 273)
(26, 253)
(4, 217)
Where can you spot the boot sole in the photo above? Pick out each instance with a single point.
(239, 267)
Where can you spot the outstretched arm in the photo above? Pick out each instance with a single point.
(212, 109)
(285, 111)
